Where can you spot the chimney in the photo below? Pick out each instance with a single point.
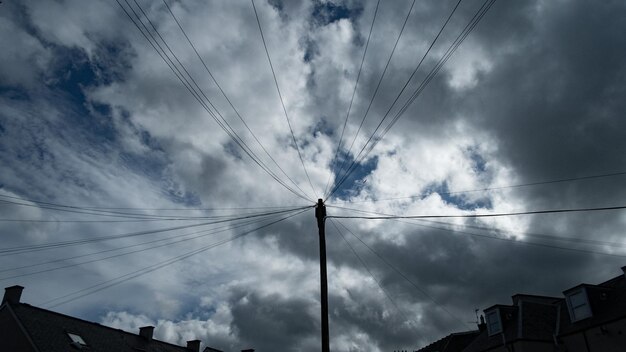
(482, 326)
(146, 332)
(193, 345)
(12, 294)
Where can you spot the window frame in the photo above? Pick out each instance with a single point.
(572, 310)
(76, 338)
(489, 316)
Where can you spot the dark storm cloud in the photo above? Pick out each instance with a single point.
(272, 322)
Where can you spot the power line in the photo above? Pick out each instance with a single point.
(556, 238)
(534, 212)
(106, 213)
(526, 243)
(202, 91)
(228, 226)
(494, 229)
(380, 80)
(129, 276)
(197, 96)
(226, 97)
(422, 291)
(460, 38)
(88, 221)
(356, 83)
(348, 171)
(535, 235)
(108, 209)
(562, 180)
(371, 274)
(40, 247)
(469, 27)
(185, 239)
(280, 96)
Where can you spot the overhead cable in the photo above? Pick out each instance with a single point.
(536, 183)
(356, 83)
(134, 274)
(198, 97)
(409, 321)
(45, 246)
(484, 215)
(206, 67)
(280, 96)
(380, 80)
(171, 242)
(513, 240)
(422, 291)
(457, 42)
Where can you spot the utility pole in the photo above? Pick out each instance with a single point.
(320, 214)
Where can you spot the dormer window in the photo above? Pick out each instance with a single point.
(494, 324)
(578, 304)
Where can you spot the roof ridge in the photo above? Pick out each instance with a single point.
(91, 322)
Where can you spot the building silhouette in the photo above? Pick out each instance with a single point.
(587, 318)
(26, 328)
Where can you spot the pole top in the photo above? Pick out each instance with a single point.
(320, 210)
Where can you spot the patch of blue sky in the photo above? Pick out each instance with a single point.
(355, 182)
(74, 73)
(323, 127)
(13, 92)
(327, 12)
(479, 164)
(459, 200)
(173, 192)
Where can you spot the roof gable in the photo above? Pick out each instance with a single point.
(49, 332)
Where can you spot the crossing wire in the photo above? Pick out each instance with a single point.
(409, 321)
(433, 73)
(108, 213)
(40, 247)
(197, 96)
(380, 80)
(111, 209)
(125, 247)
(456, 43)
(537, 183)
(485, 215)
(526, 243)
(538, 244)
(134, 274)
(356, 83)
(422, 291)
(198, 87)
(139, 217)
(280, 96)
(206, 67)
(205, 233)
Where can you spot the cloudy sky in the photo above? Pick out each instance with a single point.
(99, 137)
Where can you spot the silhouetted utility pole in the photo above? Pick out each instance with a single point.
(320, 214)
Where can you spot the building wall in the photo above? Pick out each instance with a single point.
(533, 346)
(12, 337)
(606, 338)
(524, 346)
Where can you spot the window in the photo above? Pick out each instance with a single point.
(76, 340)
(494, 325)
(578, 305)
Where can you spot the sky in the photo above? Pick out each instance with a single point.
(98, 137)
